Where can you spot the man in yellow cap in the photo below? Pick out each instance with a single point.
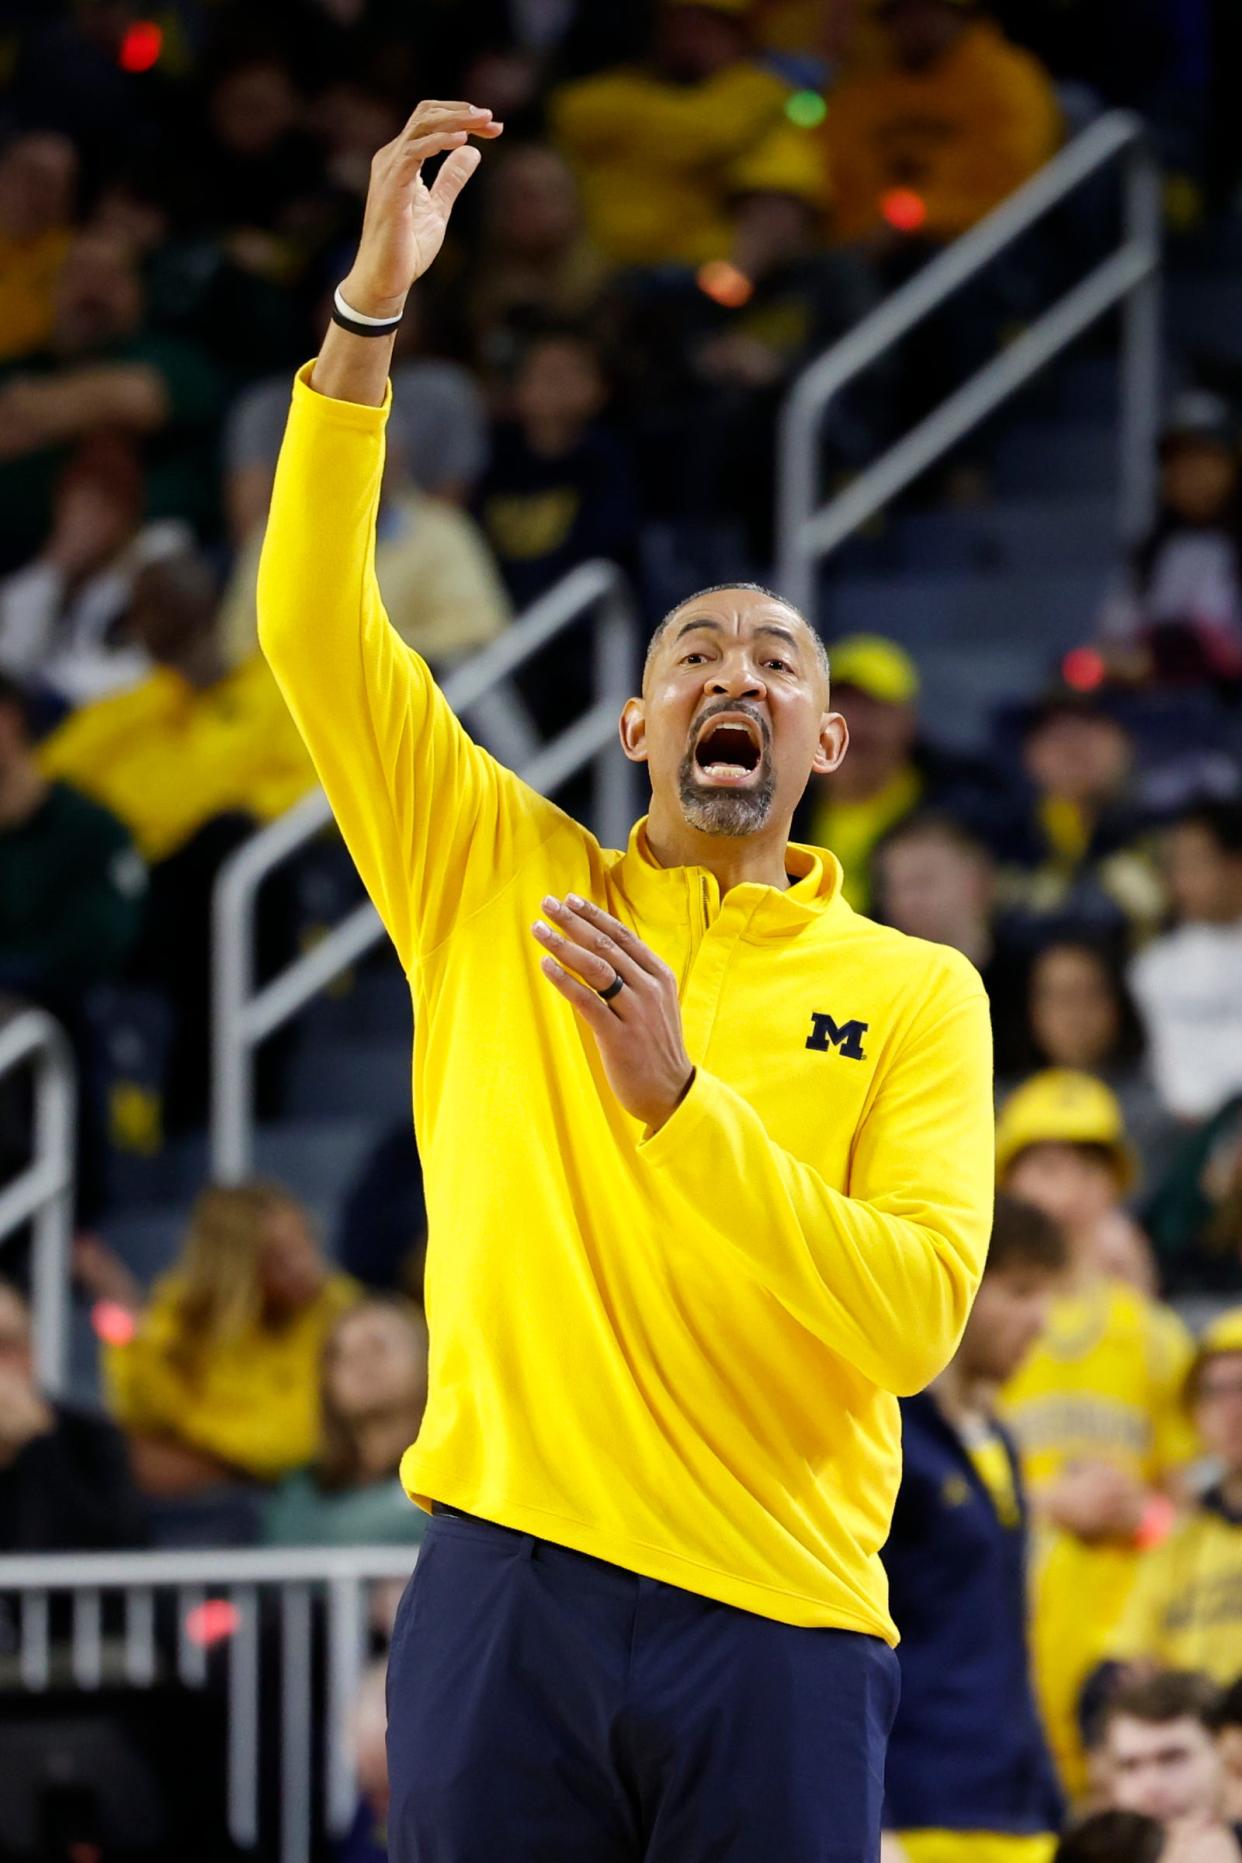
(1185, 1611)
(891, 774)
(653, 145)
(1097, 1407)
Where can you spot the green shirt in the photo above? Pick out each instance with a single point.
(72, 887)
(298, 1512)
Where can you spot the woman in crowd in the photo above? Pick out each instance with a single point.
(220, 1379)
(374, 1386)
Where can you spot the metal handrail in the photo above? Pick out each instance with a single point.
(43, 1192)
(809, 531)
(337, 1576)
(243, 1016)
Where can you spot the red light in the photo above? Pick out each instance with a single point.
(141, 46)
(904, 210)
(113, 1323)
(724, 284)
(212, 1622)
(1083, 669)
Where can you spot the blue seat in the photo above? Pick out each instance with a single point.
(1007, 613)
(353, 1077)
(1051, 459)
(1030, 535)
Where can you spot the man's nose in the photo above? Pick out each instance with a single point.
(737, 679)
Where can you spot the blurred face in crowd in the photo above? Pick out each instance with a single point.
(16, 1355)
(1229, 1746)
(1075, 1017)
(1204, 880)
(560, 388)
(38, 174)
(291, 1268)
(1079, 757)
(769, 230)
(1218, 1407)
(921, 31)
(98, 294)
(882, 737)
(253, 108)
(734, 715)
(172, 609)
(533, 203)
(1006, 1321)
(934, 887)
(1198, 479)
(1073, 1184)
(376, 1363)
(1166, 1770)
(695, 42)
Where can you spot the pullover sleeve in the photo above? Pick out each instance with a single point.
(885, 1274)
(436, 826)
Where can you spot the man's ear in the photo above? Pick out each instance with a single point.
(834, 741)
(633, 731)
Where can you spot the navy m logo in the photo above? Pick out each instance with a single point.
(847, 1037)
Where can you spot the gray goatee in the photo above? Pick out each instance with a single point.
(725, 811)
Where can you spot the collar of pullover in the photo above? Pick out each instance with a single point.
(658, 894)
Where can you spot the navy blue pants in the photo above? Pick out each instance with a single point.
(546, 1707)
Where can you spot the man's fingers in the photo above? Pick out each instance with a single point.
(621, 955)
(589, 1004)
(603, 923)
(433, 113)
(455, 170)
(593, 969)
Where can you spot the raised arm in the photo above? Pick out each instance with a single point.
(434, 825)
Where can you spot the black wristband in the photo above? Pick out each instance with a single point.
(355, 324)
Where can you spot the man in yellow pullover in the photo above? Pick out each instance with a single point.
(708, 1171)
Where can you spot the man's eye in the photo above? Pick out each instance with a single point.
(686, 659)
(783, 665)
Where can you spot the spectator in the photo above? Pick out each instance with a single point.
(1179, 608)
(1159, 1739)
(440, 584)
(104, 368)
(934, 879)
(952, 120)
(373, 1391)
(535, 264)
(1097, 1407)
(38, 178)
(968, 1772)
(1228, 1719)
(65, 1484)
(365, 1841)
(193, 740)
(436, 425)
(1185, 1611)
(889, 772)
(220, 1380)
(72, 885)
(560, 487)
(1080, 1015)
(61, 615)
(1195, 1215)
(1188, 984)
(1078, 865)
(1112, 1837)
(654, 146)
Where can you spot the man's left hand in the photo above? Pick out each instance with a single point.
(639, 1029)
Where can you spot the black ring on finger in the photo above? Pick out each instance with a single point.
(614, 988)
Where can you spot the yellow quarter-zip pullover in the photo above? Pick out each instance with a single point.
(680, 1352)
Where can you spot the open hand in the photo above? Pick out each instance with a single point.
(404, 223)
(639, 1029)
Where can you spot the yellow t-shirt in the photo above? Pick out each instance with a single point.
(29, 270)
(167, 757)
(1104, 1384)
(1185, 1611)
(679, 1351)
(975, 1847)
(852, 829)
(253, 1402)
(653, 158)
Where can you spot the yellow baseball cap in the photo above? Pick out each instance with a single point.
(1223, 1335)
(1061, 1107)
(876, 666)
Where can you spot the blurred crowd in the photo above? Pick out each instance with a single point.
(693, 199)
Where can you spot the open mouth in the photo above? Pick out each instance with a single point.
(729, 750)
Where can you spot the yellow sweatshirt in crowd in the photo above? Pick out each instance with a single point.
(962, 134)
(680, 1352)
